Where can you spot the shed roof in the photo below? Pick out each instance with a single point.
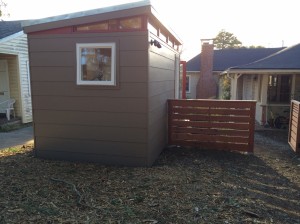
(286, 59)
(8, 28)
(90, 16)
(226, 58)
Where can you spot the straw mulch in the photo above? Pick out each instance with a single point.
(183, 186)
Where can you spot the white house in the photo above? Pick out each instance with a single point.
(272, 81)
(14, 69)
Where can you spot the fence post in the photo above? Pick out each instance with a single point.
(169, 109)
(251, 127)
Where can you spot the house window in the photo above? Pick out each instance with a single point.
(96, 64)
(93, 27)
(131, 23)
(188, 84)
(279, 88)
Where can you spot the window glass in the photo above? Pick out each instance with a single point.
(131, 23)
(113, 24)
(95, 27)
(187, 84)
(96, 64)
(279, 88)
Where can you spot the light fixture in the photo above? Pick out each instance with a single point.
(155, 43)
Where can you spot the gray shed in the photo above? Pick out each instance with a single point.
(100, 81)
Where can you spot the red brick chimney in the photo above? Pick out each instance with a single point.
(206, 86)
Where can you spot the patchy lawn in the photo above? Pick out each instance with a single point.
(184, 186)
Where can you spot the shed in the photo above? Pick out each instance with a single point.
(14, 69)
(100, 82)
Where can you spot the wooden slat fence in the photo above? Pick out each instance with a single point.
(294, 126)
(212, 124)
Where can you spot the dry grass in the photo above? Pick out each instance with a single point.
(184, 186)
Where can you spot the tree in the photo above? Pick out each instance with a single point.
(2, 6)
(226, 40)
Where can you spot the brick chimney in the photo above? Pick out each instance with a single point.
(206, 86)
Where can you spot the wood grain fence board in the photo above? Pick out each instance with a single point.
(190, 110)
(210, 131)
(196, 117)
(294, 132)
(212, 123)
(208, 124)
(214, 145)
(209, 138)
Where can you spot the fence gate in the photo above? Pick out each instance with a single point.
(294, 126)
(212, 124)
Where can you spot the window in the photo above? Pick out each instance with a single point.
(279, 88)
(96, 64)
(188, 84)
(93, 27)
(131, 23)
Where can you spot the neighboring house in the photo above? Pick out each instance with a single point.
(203, 71)
(14, 69)
(272, 81)
(100, 84)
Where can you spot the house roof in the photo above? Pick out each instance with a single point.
(8, 28)
(226, 58)
(286, 59)
(90, 16)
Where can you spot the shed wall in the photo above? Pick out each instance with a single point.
(161, 88)
(93, 123)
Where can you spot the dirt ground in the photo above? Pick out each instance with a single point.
(184, 186)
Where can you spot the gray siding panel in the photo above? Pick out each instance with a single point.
(86, 118)
(133, 58)
(121, 160)
(53, 74)
(97, 133)
(133, 74)
(128, 42)
(53, 59)
(96, 104)
(65, 89)
(161, 88)
(68, 74)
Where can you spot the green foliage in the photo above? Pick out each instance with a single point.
(226, 40)
(2, 6)
(252, 46)
(225, 85)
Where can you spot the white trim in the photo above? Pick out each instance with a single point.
(112, 46)
(10, 37)
(28, 77)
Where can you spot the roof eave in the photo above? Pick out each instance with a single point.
(76, 18)
(261, 71)
(12, 36)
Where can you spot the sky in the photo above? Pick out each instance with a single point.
(268, 23)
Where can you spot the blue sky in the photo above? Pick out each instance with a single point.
(254, 22)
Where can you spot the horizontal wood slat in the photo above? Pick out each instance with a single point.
(213, 124)
(294, 132)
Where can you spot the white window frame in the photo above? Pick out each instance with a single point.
(112, 46)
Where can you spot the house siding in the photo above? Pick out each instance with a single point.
(194, 79)
(92, 123)
(162, 69)
(15, 50)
